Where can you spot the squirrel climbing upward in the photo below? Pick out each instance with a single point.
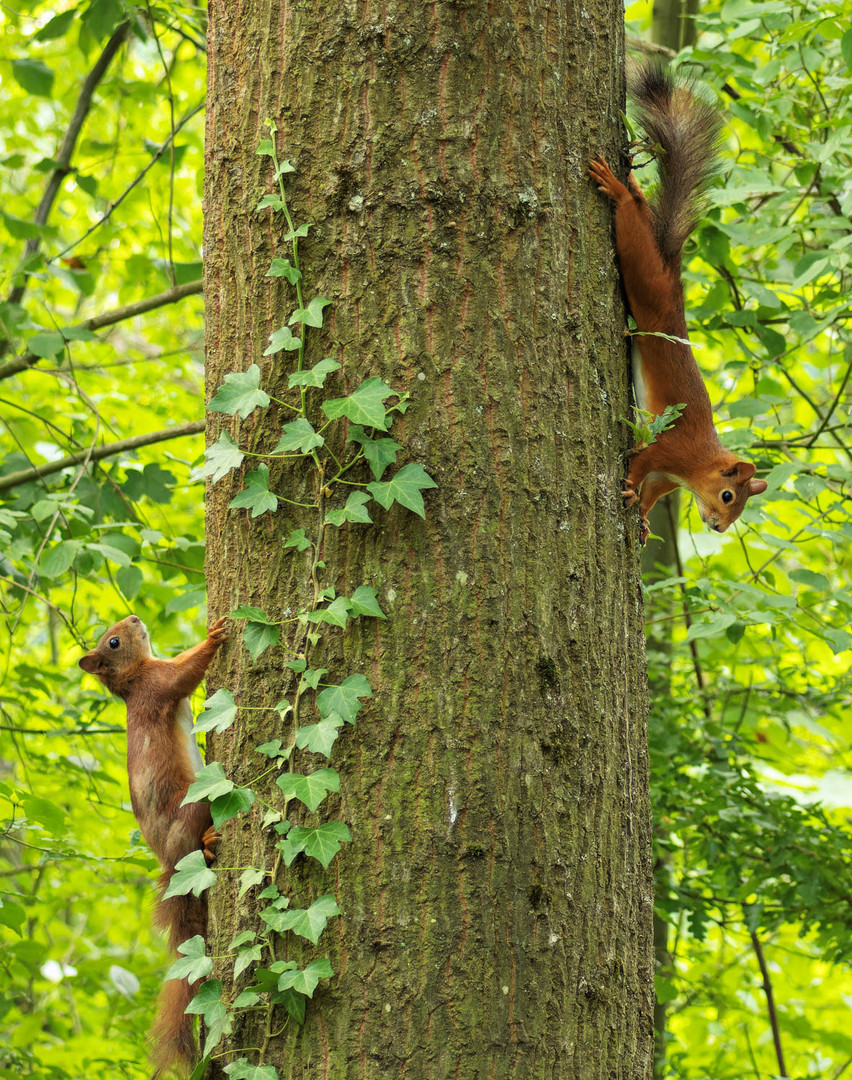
(162, 759)
(683, 132)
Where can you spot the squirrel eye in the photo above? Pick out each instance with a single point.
(114, 642)
(727, 496)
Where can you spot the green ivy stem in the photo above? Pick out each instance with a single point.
(345, 468)
(286, 404)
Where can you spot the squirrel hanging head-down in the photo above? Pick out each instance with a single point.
(683, 132)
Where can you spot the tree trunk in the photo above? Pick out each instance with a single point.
(496, 898)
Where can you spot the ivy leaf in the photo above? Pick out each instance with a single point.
(312, 314)
(310, 789)
(294, 1003)
(300, 230)
(354, 510)
(272, 749)
(379, 452)
(258, 636)
(321, 843)
(404, 487)
(299, 435)
(210, 783)
(282, 339)
(284, 268)
(219, 712)
(256, 495)
(222, 456)
(248, 878)
(312, 676)
(316, 375)
(241, 1069)
(245, 957)
(240, 394)
(298, 540)
(196, 963)
(191, 874)
(305, 981)
(273, 200)
(306, 922)
(225, 807)
(343, 699)
(363, 602)
(319, 738)
(363, 406)
(217, 1020)
(336, 613)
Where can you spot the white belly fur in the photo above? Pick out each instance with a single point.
(640, 390)
(184, 722)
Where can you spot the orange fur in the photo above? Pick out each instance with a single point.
(161, 765)
(665, 373)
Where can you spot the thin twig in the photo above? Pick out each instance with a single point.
(108, 318)
(23, 476)
(770, 1004)
(63, 155)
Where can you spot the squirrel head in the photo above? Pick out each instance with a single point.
(722, 493)
(116, 658)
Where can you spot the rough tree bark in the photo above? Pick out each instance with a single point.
(496, 895)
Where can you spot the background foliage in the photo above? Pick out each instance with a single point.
(752, 641)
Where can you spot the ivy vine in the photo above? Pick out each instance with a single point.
(328, 706)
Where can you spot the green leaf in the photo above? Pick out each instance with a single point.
(223, 456)
(55, 27)
(284, 268)
(272, 749)
(312, 314)
(305, 981)
(363, 406)
(34, 76)
(219, 712)
(248, 878)
(380, 453)
(255, 614)
(294, 1003)
(319, 738)
(282, 339)
(256, 495)
(298, 540)
(191, 874)
(711, 626)
(310, 789)
(242, 1070)
(336, 613)
(272, 200)
(343, 699)
(306, 922)
(129, 579)
(195, 965)
(316, 375)
(364, 602)
(240, 394)
(354, 510)
(266, 147)
(58, 560)
(207, 998)
(46, 345)
(810, 578)
(258, 636)
(46, 813)
(404, 487)
(299, 435)
(210, 783)
(301, 230)
(225, 807)
(321, 843)
(312, 676)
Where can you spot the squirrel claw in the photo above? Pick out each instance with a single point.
(629, 493)
(218, 632)
(208, 842)
(644, 530)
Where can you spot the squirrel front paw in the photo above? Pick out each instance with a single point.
(208, 842)
(218, 632)
(644, 530)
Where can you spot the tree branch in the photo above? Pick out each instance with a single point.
(63, 156)
(128, 311)
(23, 476)
(770, 1004)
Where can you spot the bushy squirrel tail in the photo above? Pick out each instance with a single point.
(683, 132)
(173, 1041)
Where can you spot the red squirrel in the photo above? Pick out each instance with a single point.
(162, 759)
(684, 132)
